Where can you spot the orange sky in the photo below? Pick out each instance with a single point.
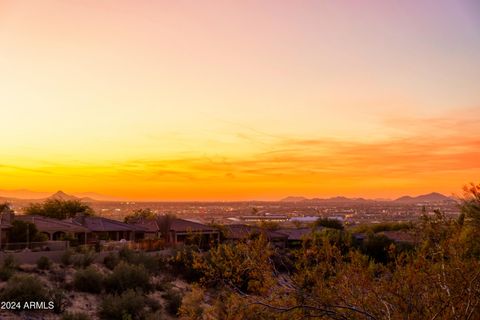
(190, 100)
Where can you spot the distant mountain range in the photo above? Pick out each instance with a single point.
(12, 195)
(15, 195)
(430, 197)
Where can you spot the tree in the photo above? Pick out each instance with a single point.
(245, 266)
(329, 223)
(164, 223)
(469, 220)
(4, 206)
(23, 231)
(470, 206)
(59, 209)
(140, 214)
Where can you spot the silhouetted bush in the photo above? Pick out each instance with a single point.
(111, 260)
(329, 223)
(88, 280)
(6, 273)
(44, 263)
(126, 276)
(59, 299)
(83, 258)
(174, 301)
(24, 288)
(151, 263)
(7, 269)
(376, 246)
(128, 305)
(66, 258)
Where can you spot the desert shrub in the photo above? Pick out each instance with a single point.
(192, 304)
(58, 276)
(24, 288)
(153, 304)
(163, 285)
(174, 301)
(128, 305)
(126, 276)
(59, 299)
(7, 269)
(88, 280)
(329, 223)
(75, 316)
(157, 315)
(6, 273)
(182, 263)
(151, 263)
(66, 258)
(84, 258)
(384, 226)
(111, 260)
(126, 254)
(43, 263)
(377, 246)
(10, 262)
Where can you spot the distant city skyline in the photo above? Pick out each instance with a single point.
(241, 100)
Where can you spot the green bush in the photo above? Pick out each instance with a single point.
(329, 223)
(66, 258)
(7, 269)
(128, 305)
(126, 276)
(10, 262)
(83, 258)
(59, 299)
(6, 273)
(174, 301)
(88, 280)
(43, 263)
(24, 288)
(157, 315)
(75, 316)
(111, 260)
(150, 263)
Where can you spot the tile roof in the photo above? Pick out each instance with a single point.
(296, 234)
(181, 225)
(150, 225)
(51, 225)
(177, 225)
(101, 224)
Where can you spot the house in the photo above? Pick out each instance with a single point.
(238, 232)
(151, 227)
(179, 231)
(296, 236)
(100, 228)
(55, 229)
(184, 231)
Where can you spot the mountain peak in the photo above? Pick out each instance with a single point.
(430, 197)
(60, 195)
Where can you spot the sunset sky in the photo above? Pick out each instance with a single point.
(238, 100)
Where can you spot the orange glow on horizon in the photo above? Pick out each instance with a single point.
(181, 100)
